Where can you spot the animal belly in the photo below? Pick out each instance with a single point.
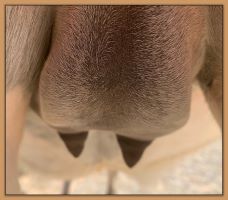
(102, 151)
(120, 77)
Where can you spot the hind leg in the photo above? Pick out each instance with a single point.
(111, 177)
(26, 38)
(211, 75)
(16, 107)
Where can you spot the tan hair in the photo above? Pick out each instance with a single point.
(28, 31)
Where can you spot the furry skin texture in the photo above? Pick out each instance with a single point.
(127, 69)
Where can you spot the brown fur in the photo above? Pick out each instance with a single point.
(127, 69)
(122, 68)
(210, 76)
(28, 31)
